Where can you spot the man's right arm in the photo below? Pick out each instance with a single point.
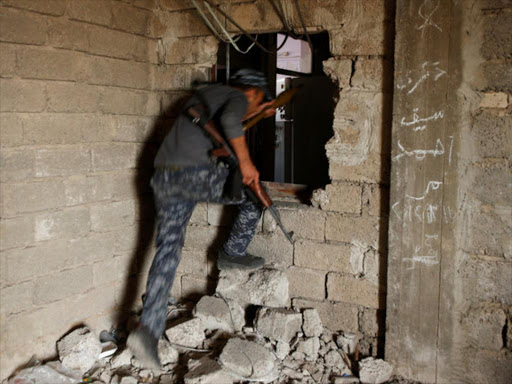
(249, 172)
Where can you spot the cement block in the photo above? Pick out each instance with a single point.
(7, 60)
(62, 161)
(22, 27)
(80, 189)
(200, 237)
(52, 128)
(200, 214)
(106, 157)
(196, 50)
(127, 102)
(339, 70)
(361, 39)
(312, 325)
(107, 42)
(146, 4)
(343, 198)
(372, 168)
(63, 33)
(187, 23)
(58, 65)
(208, 371)
(130, 19)
(349, 289)
(79, 350)
(494, 100)
(266, 287)
(374, 74)
(112, 215)
(16, 298)
(22, 96)
(490, 231)
(274, 247)
(498, 75)
(248, 359)
(193, 261)
(217, 313)
(221, 215)
(255, 16)
(492, 135)
(193, 286)
(278, 324)
(308, 283)
(68, 223)
(50, 7)
(178, 77)
(355, 230)
(105, 272)
(62, 284)
(304, 223)
(378, 199)
(372, 322)
(189, 333)
(492, 187)
(487, 280)
(497, 42)
(91, 11)
(17, 164)
(17, 232)
(73, 97)
(327, 257)
(121, 73)
(484, 325)
(11, 134)
(31, 197)
(176, 5)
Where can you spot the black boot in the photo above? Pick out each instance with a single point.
(247, 262)
(144, 346)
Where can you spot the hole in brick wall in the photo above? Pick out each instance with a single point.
(289, 149)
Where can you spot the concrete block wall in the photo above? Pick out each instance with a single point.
(87, 90)
(484, 247)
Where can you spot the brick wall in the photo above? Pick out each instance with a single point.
(484, 274)
(87, 90)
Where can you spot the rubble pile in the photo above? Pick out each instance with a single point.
(245, 333)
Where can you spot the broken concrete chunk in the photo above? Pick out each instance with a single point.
(167, 353)
(265, 287)
(374, 371)
(334, 359)
(217, 313)
(347, 342)
(208, 371)
(312, 326)
(42, 374)
(282, 350)
(278, 324)
(79, 350)
(249, 360)
(124, 358)
(309, 348)
(188, 334)
(129, 380)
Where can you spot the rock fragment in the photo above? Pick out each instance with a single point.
(312, 326)
(217, 313)
(79, 350)
(249, 360)
(208, 371)
(282, 350)
(122, 359)
(41, 374)
(278, 323)
(188, 334)
(264, 287)
(309, 348)
(167, 353)
(374, 371)
(334, 359)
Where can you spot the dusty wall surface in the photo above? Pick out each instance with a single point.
(88, 91)
(449, 302)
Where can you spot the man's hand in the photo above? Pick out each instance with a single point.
(249, 173)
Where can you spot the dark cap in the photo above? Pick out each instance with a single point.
(252, 78)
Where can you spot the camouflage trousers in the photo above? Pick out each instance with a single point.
(177, 191)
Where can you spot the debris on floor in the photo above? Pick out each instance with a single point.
(247, 332)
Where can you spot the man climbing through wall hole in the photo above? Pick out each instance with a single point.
(186, 174)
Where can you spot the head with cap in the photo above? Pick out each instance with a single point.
(254, 85)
